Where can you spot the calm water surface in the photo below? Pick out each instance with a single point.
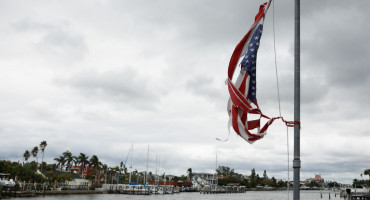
(259, 195)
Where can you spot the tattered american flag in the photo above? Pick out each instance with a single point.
(243, 101)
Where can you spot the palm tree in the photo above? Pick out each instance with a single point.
(69, 158)
(105, 171)
(61, 161)
(190, 172)
(117, 174)
(26, 155)
(34, 153)
(367, 172)
(125, 169)
(43, 145)
(95, 164)
(112, 172)
(75, 160)
(83, 160)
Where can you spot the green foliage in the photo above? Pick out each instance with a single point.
(254, 179)
(253, 174)
(333, 184)
(96, 166)
(35, 151)
(95, 163)
(367, 172)
(314, 184)
(43, 145)
(281, 184)
(357, 182)
(269, 182)
(225, 171)
(228, 175)
(68, 159)
(26, 155)
(90, 177)
(178, 178)
(25, 173)
(60, 161)
(190, 173)
(230, 179)
(53, 177)
(31, 165)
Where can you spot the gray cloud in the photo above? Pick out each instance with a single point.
(57, 41)
(204, 86)
(122, 86)
(63, 46)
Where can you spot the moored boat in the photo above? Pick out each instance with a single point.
(5, 182)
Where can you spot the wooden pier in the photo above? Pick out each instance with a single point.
(139, 189)
(221, 192)
(135, 192)
(224, 190)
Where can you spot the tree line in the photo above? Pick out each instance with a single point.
(227, 175)
(357, 182)
(101, 173)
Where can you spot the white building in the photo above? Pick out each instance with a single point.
(201, 179)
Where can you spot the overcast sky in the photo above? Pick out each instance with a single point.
(96, 76)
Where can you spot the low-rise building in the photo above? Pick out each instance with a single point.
(76, 183)
(78, 170)
(201, 179)
(318, 178)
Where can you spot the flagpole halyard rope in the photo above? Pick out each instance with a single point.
(278, 94)
(276, 70)
(287, 145)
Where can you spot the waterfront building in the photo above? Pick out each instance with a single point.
(318, 178)
(170, 177)
(77, 170)
(202, 179)
(77, 181)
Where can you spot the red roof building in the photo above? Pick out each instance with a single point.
(77, 170)
(318, 178)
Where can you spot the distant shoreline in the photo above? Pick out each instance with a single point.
(78, 192)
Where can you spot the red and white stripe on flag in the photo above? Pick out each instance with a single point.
(239, 106)
(242, 102)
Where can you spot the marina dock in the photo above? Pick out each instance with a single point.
(224, 190)
(360, 196)
(13, 193)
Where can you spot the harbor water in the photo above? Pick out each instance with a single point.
(249, 195)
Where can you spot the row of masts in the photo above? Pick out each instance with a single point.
(157, 167)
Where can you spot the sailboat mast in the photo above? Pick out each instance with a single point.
(147, 164)
(215, 176)
(297, 101)
(159, 169)
(132, 149)
(156, 170)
